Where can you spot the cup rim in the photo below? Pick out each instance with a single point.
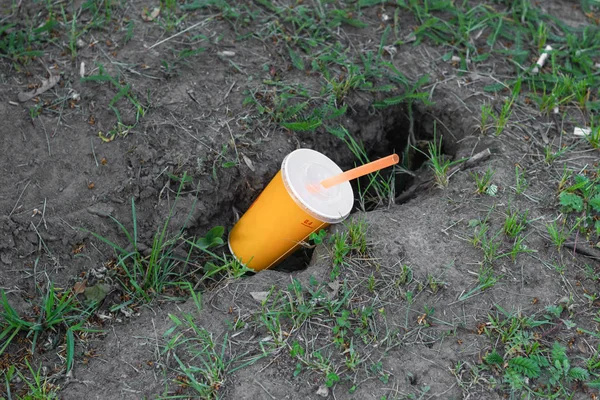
(295, 194)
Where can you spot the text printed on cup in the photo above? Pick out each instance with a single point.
(307, 223)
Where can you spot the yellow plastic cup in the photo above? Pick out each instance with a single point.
(290, 208)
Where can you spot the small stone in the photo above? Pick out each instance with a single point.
(323, 391)
(147, 193)
(101, 210)
(5, 258)
(563, 300)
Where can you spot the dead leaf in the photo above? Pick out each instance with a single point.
(249, 163)
(97, 292)
(335, 286)
(79, 287)
(47, 84)
(150, 16)
(259, 296)
(391, 50)
(108, 138)
(411, 37)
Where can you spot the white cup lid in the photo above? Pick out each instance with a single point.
(302, 171)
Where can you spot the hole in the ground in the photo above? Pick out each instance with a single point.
(413, 379)
(298, 261)
(406, 132)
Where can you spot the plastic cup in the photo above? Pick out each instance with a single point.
(290, 208)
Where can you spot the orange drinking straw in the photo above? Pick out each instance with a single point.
(360, 171)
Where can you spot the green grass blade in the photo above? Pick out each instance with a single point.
(303, 126)
(120, 94)
(7, 342)
(296, 59)
(7, 378)
(108, 242)
(134, 221)
(49, 301)
(70, 348)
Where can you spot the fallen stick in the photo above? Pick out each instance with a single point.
(584, 249)
(421, 185)
(471, 162)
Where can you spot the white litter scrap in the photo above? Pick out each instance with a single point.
(226, 53)
(542, 60)
(581, 132)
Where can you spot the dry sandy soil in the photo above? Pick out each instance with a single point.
(141, 103)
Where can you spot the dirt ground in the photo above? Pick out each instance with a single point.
(64, 174)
